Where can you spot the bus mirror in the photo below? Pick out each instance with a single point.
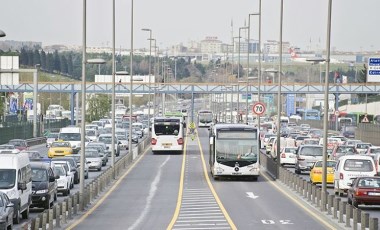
(211, 140)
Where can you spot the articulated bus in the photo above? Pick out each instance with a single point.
(205, 118)
(234, 151)
(167, 134)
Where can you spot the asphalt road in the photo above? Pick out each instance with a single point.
(146, 198)
(91, 176)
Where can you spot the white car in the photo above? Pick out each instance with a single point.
(67, 167)
(91, 134)
(51, 138)
(94, 159)
(362, 147)
(63, 181)
(288, 156)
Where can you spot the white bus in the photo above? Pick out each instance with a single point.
(234, 151)
(205, 118)
(167, 134)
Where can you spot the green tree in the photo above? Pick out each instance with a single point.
(57, 62)
(70, 63)
(43, 59)
(36, 57)
(98, 107)
(64, 66)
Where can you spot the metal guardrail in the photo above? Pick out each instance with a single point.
(331, 205)
(61, 213)
(36, 141)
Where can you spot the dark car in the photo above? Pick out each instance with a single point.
(6, 212)
(19, 144)
(73, 164)
(44, 185)
(348, 131)
(34, 155)
(364, 190)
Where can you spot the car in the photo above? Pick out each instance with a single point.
(91, 134)
(34, 155)
(68, 168)
(77, 160)
(107, 140)
(305, 126)
(364, 190)
(124, 141)
(63, 181)
(316, 172)
(101, 147)
(342, 150)
(373, 150)
(341, 138)
(299, 139)
(94, 158)
(315, 133)
(6, 212)
(288, 156)
(348, 131)
(59, 149)
(352, 142)
(362, 147)
(51, 137)
(19, 144)
(44, 185)
(135, 137)
(307, 155)
(73, 166)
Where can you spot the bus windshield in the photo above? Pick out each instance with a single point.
(236, 149)
(205, 117)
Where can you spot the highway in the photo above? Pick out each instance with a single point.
(173, 191)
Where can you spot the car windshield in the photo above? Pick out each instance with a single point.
(358, 165)
(290, 150)
(343, 149)
(7, 178)
(60, 144)
(311, 142)
(363, 146)
(105, 139)
(90, 132)
(330, 164)
(97, 147)
(369, 182)
(311, 151)
(69, 136)
(60, 171)
(92, 154)
(39, 175)
(53, 135)
(375, 150)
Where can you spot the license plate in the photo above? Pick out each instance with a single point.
(373, 193)
(167, 145)
(236, 173)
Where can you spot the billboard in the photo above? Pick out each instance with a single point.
(290, 104)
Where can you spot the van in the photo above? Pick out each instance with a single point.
(16, 182)
(350, 167)
(44, 185)
(72, 135)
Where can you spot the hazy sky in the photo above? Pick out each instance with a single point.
(354, 24)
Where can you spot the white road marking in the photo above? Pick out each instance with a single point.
(251, 195)
(152, 192)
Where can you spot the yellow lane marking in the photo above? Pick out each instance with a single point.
(100, 201)
(180, 192)
(228, 218)
(298, 203)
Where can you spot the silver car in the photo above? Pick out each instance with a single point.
(307, 155)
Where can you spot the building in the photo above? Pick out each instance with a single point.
(271, 47)
(252, 46)
(211, 45)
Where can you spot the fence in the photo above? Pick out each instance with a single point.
(61, 213)
(24, 129)
(331, 205)
(368, 133)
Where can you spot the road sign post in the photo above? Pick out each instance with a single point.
(373, 70)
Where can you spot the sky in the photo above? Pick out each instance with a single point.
(354, 22)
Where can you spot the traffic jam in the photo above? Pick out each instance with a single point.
(352, 165)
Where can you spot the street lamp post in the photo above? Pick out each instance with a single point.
(149, 84)
(35, 93)
(113, 91)
(326, 108)
(238, 99)
(279, 93)
(131, 85)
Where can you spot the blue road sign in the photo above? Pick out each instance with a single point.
(290, 104)
(374, 69)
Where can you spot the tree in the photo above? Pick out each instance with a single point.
(36, 57)
(64, 66)
(98, 107)
(50, 62)
(57, 62)
(43, 59)
(70, 64)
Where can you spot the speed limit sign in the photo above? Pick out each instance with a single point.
(258, 108)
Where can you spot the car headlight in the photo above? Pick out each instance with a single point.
(74, 146)
(41, 191)
(11, 193)
(219, 170)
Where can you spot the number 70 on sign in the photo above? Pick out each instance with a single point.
(258, 108)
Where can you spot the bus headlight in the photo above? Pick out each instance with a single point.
(219, 170)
